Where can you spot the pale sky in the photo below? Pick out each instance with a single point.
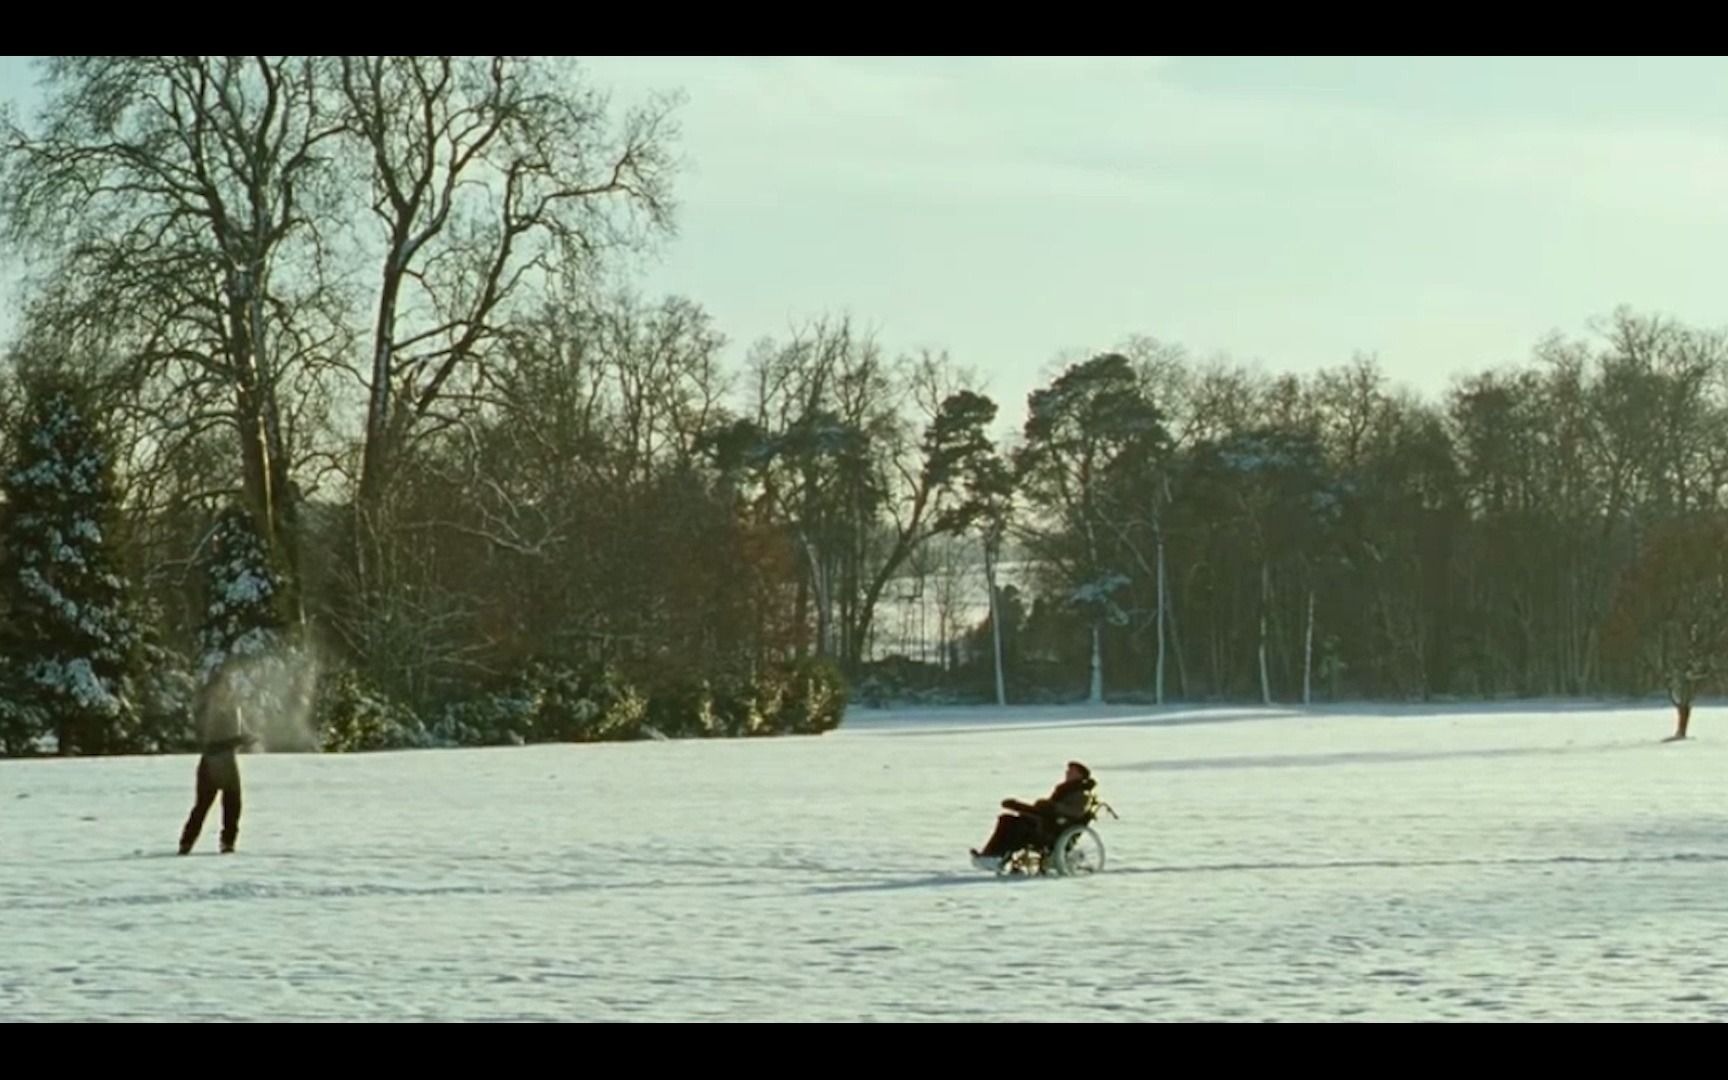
(1442, 214)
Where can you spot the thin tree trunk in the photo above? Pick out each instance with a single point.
(995, 623)
(1308, 655)
(1096, 696)
(1159, 691)
(1265, 602)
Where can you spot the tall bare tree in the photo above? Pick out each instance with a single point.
(175, 201)
(491, 177)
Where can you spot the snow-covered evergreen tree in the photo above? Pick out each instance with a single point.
(245, 643)
(71, 644)
(242, 612)
(22, 721)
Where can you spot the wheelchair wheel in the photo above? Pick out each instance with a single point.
(1079, 850)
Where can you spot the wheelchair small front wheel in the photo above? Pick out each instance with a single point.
(1079, 850)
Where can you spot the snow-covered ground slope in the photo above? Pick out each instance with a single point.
(1268, 864)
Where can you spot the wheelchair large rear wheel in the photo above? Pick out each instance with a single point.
(1079, 850)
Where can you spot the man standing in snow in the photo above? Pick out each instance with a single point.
(224, 733)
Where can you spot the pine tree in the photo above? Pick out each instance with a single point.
(71, 644)
(246, 647)
(242, 614)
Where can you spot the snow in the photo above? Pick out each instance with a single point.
(246, 586)
(1517, 863)
(79, 680)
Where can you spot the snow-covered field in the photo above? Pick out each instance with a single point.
(1269, 864)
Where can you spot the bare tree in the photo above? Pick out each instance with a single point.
(1670, 616)
(175, 201)
(491, 177)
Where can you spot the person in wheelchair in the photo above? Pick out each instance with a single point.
(1027, 825)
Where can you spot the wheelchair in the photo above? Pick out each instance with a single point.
(1066, 847)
